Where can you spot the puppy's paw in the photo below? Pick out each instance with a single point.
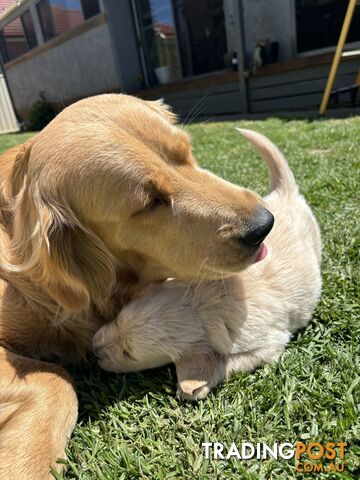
(198, 374)
(192, 390)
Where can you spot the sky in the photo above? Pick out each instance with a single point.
(161, 11)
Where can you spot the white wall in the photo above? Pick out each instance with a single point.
(8, 122)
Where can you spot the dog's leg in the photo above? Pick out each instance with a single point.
(199, 373)
(38, 411)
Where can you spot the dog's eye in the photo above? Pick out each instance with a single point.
(158, 201)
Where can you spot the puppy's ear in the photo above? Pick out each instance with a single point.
(52, 248)
(163, 110)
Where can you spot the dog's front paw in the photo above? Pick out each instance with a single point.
(198, 374)
(108, 349)
(193, 390)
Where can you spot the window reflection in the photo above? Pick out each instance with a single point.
(157, 28)
(182, 37)
(13, 40)
(319, 23)
(58, 16)
(29, 30)
(202, 35)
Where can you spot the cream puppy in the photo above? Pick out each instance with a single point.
(211, 329)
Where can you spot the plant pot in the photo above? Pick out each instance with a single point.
(163, 74)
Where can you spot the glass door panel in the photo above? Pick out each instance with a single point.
(158, 36)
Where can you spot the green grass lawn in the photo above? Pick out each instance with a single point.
(132, 426)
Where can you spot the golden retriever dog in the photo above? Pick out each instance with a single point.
(102, 204)
(211, 329)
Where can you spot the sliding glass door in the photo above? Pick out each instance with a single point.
(202, 35)
(158, 38)
(181, 38)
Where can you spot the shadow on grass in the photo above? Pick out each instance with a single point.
(98, 389)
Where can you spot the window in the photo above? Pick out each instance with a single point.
(13, 41)
(319, 23)
(29, 30)
(185, 37)
(58, 16)
(202, 35)
(90, 8)
(157, 27)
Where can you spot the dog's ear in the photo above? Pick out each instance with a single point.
(20, 166)
(60, 255)
(13, 165)
(163, 110)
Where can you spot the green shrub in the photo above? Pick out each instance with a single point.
(41, 113)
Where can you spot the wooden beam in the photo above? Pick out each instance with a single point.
(337, 57)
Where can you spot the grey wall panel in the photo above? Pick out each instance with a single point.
(269, 19)
(213, 108)
(82, 66)
(200, 92)
(198, 103)
(124, 43)
(310, 73)
(299, 102)
(298, 88)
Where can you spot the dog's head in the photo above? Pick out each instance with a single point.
(112, 183)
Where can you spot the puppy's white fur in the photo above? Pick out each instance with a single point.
(211, 329)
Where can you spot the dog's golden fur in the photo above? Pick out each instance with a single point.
(212, 329)
(104, 201)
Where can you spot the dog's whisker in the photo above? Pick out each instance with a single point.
(198, 112)
(224, 285)
(201, 279)
(194, 108)
(197, 287)
(194, 277)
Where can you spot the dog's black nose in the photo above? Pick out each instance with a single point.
(259, 228)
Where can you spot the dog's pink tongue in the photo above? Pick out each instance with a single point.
(262, 253)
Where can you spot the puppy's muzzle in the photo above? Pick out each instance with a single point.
(259, 228)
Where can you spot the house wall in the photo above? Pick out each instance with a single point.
(273, 19)
(217, 100)
(80, 66)
(205, 96)
(298, 89)
(296, 85)
(124, 43)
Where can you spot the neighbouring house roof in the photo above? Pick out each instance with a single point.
(4, 4)
(14, 28)
(63, 19)
(7, 6)
(165, 29)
